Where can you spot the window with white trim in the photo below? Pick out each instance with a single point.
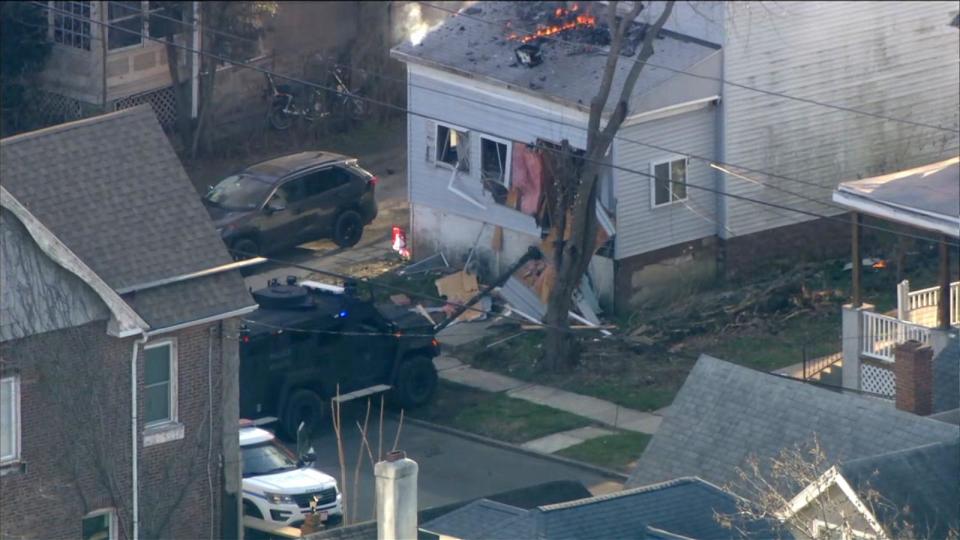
(100, 525)
(126, 24)
(668, 182)
(495, 160)
(453, 147)
(9, 420)
(160, 383)
(70, 22)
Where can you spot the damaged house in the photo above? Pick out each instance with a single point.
(491, 89)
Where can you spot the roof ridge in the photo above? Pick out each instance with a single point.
(73, 124)
(902, 451)
(629, 492)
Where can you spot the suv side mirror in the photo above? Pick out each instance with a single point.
(274, 206)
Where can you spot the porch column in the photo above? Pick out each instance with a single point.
(943, 306)
(856, 221)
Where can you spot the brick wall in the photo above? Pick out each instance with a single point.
(913, 369)
(75, 432)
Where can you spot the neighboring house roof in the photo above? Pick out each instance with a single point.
(946, 377)
(685, 507)
(918, 485)
(927, 197)
(522, 498)
(113, 191)
(470, 46)
(725, 413)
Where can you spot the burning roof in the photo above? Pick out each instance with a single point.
(556, 49)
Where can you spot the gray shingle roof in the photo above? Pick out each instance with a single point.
(686, 507)
(725, 413)
(112, 189)
(946, 377)
(918, 486)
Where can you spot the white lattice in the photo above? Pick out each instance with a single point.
(877, 380)
(163, 101)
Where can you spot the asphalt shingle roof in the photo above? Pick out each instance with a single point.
(113, 190)
(685, 507)
(918, 486)
(726, 413)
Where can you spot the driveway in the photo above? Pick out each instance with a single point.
(452, 468)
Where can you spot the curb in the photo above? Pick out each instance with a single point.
(596, 469)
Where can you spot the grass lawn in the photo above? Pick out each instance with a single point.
(618, 452)
(494, 415)
(819, 332)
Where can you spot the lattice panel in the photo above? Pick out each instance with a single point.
(55, 108)
(878, 380)
(163, 101)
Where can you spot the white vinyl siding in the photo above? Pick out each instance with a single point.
(9, 420)
(160, 383)
(643, 225)
(896, 59)
(494, 118)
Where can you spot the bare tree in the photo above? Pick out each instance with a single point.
(803, 469)
(572, 197)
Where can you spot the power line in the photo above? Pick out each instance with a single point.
(435, 119)
(457, 13)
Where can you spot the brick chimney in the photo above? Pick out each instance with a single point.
(396, 497)
(913, 369)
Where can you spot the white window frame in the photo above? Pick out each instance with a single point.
(173, 417)
(653, 180)
(436, 151)
(508, 160)
(112, 522)
(66, 6)
(14, 457)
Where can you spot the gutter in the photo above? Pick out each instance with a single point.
(192, 275)
(888, 211)
(134, 432)
(205, 320)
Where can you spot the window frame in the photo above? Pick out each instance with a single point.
(653, 180)
(173, 393)
(52, 20)
(144, 29)
(437, 142)
(111, 513)
(14, 457)
(507, 162)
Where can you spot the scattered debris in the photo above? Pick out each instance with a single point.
(433, 262)
(458, 289)
(473, 10)
(529, 55)
(400, 299)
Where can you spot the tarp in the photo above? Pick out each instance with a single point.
(526, 177)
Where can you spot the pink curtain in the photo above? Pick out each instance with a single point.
(526, 177)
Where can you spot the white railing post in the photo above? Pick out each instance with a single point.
(955, 303)
(903, 300)
(853, 324)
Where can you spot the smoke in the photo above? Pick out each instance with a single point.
(413, 25)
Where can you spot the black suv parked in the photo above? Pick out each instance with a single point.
(307, 339)
(293, 199)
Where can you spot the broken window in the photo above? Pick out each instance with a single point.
(453, 147)
(495, 161)
(669, 182)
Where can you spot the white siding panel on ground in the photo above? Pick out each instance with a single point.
(641, 228)
(897, 59)
(468, 105)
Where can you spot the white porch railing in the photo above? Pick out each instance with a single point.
(881, 333)
(921, 306)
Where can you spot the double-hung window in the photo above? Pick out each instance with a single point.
(9, 420)
(668, 182)
(70, 22)
(495, 160)
(100, 525)
(126, 24)
(160, 383)
(453, 147)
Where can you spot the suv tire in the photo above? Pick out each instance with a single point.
(347, 229)
(241, 248)
(416, 382)
(303, 406)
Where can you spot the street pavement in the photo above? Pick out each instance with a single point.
(452, 468)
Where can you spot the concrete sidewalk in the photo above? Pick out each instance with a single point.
(598, 410)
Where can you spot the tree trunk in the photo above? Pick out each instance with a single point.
(572, 200)
(206, 102)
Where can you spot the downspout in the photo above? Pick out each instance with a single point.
(133, 433)
(195, 65)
